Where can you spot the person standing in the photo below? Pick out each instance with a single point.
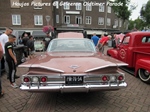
(95, 39)
(102, 42)
(1, 55)
(25, 38)
(30, 45)
(46, 41)
(3, 40)
(11, 60)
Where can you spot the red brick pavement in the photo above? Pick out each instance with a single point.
(41, 102)
(14, 99)
(134, 98)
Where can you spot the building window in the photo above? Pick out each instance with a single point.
(88, 7)
(38, 20)
(57, 18)
(108, 21)
(88, 19)
(67, 19)
(78, 20)
(101, 8)
(120, 23)
(66, 6)
(109, 9)
(16, 19)
(78, 6)
(13, 3)
(100, 21)
(116, 22)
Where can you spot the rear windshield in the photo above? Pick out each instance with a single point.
(70, 45)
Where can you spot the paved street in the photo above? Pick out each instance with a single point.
(134, 98)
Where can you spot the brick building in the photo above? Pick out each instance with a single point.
(91, 15)
(32, 15)
(25, 15)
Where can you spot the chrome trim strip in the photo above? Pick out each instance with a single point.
(75, 88)
(111, 65)
(122, 64)
(26, 65)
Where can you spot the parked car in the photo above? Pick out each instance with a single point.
(70, 35)
(38, 46)
(135, 51)
(72, 65)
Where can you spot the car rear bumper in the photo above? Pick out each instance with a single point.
(73, 88)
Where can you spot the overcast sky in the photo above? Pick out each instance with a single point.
(136, 12)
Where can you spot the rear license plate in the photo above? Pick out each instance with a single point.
(74, 79)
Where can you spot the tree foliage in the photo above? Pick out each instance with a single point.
(136, 24)
(122, 11)
(145, 13)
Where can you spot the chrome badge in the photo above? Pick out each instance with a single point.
(74, 66)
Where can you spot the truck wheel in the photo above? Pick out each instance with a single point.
(144, 75)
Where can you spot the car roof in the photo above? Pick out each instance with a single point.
(70, 35)
(138, 33)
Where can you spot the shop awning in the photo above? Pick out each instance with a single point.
(90, 32)
(38, 34)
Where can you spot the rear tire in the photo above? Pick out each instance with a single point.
(144, 75)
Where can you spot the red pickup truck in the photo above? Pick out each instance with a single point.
(135, 51)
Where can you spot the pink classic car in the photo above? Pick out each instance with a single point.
(72, 65)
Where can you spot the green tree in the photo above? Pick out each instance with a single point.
(131, 25)
(145, 13)
(123, 11)
(137, 23)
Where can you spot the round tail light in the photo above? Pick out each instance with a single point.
(43, 79)
(26, 79)
(120, 78)
(105, 78)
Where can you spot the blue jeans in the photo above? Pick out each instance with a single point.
(0, 79)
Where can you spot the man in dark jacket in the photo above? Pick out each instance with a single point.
(46, 41)
(11, 60)
(30, 45)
